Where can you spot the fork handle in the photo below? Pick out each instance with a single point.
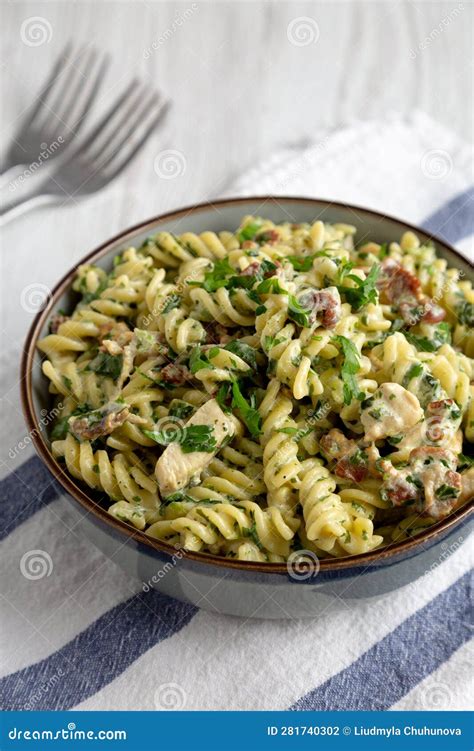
(21, 204)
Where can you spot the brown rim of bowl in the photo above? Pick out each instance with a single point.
(334, 564)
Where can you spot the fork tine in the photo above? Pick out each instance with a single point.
(93, 90)
(162, 112)
(86, 84)
(72, 83)
(126, 117)
(65, 80)
(107, 118)
(52, 80)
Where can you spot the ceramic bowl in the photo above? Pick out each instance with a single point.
(226, 585)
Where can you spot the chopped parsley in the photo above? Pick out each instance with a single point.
(190, 438)
(465, 313)
(249, 231)
(349, 369)
(465, 462)
(197, 360)
(302, 263)
(441, 335)
(445, 492)
(171, 302)
(180, 409)
(413, 371)
(297, 313)
(106, 365)
(247, 410)
(217, 277)
(366, 290)
(247, 353)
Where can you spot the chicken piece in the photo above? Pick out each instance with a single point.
(176, 469)
(467, 486)
(390, 411)
(442, 420)
(103, 421)
(354, 460)
(429, 484)
(111, 347)
(117, 332)
(397, 487)
(149, 344)
(324, 304)
(435, 468)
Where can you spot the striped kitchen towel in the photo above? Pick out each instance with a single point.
(84, 635)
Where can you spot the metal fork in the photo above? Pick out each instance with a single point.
(106, 151)
(52, 122)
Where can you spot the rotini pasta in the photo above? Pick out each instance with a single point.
(253, 393)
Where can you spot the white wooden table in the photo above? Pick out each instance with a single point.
(245, 78)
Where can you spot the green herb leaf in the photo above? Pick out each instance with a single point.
(197, 360)
(297, 313)
(465, 462)
(249, 414)
(180, 409)
(271, 287)
(445, 492)
(349, 369)
(217, 277)
(302, 263)
(172, 301)
(249, 231)
(441, 335)
(365, 291)
(191, 438)
(465, 313)
(61, 429)
(106, 365)
(243, 350)
(413, 371)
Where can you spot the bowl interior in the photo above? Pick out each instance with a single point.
(216, 216)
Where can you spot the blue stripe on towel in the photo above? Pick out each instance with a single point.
(25, 491)
(397, 663)
(97, 656)
(454, 220)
